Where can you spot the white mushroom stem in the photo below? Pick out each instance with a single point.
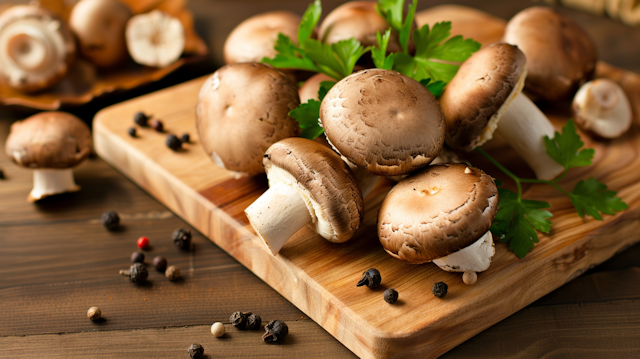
(278, 214)
(524, 126)
(365, 179)
(476, 257)
(47, 182)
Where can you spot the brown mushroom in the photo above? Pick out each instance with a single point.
(308, 184)
(309, 90)
(99, 26)
(155, 39)
(36, 48)
(242, 110)
(51, 143)
(560, 54)
(601, 108)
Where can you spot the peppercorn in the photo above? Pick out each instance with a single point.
(2, 175)
(157, 125)
(94, 314)
(185, 138)
(254, 321)
(173, 142)
(160, 263)
(239, 319)
(137, 273)
(132, 131)
(390, 295)
(470, 277)
(143, 243)
(141, 119)
(137, 257)
(217, 329)
(172, 273)
(276, 330)
(110, 220)
(440, 289)
(371, 278)
(195, 351)
(182, 238)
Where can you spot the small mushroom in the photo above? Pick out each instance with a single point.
(36, 48)
(51, 143)
(242, 110)
(99, 26)
(309, 90)
(155, 38)
(561, 56)
(485, 96)
(601, 107)
(441, 214)
(308, 185)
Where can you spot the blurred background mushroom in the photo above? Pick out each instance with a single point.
(155, 38)
(601, 108)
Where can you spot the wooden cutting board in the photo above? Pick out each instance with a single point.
(320, 277)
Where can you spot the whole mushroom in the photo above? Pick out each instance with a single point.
(155, 39)
(601, 108)
(50, 143)
(309, 90)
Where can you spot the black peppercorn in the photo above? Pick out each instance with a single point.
(239, 319)
(110, 220)
(1, 175)
(185, 138)
(371, 278)
(157, 125)
(132, 131)
(137, 257)
(137, 273)
(390, 295)
(195, 351)
(440, 289)
(141, 119)
(182, 238)
(160, 263)
(173, 142)
(254, 321)
(276, 330)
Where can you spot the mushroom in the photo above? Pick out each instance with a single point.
(254, 38)
(560, 54)
(309, 90)
(51, 143)
(155, 38)
(485, 96)
(242, 110)
(441, 214)
(99, 26)
(36, 48)
(308, 184)
(601, 107)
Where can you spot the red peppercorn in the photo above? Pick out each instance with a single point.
(143, 242)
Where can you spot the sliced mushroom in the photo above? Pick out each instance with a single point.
(485, 96)
(308, 184)
(51, 143)
(602, 108)
(36, 48)
(242, 110)
(155, 38)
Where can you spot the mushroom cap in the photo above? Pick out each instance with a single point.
(254, 38)
(473, 100)
(36, 47)
(100, 26)
(560, 54)
(309, 90)
(242, 110)
(56, 140)
(325, 182)
(437, 212)
(601, 107)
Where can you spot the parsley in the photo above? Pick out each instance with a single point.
(308, 113)
(391, 11)
(518, 219)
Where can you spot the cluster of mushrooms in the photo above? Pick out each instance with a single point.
(382, 123)
(38, 48)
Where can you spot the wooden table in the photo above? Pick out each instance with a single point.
(56, 259)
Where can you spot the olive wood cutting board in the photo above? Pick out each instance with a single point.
(320, 277)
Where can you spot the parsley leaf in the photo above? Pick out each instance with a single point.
(565, 147)
(290, 56)
(379, 54)
(309, 21)
(308, 113)
(435, 88)
(391, 11)
(592, 197)
(336, 60)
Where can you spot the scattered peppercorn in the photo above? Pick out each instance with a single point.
(217, 329)
(110, 220)
(2, 175)
(470, 277)
(195, 351)
(254, 321)
(371, 278)
(172, 272)
(185, 138)
(239, 319)
(157, 125)
(160, 263)
(173, 142)
(137, 273)
(94, 314)
(440, 289)
(182, 238)
(141, 119)
(276, 330)
(390, 295)
(137, 257)
(132, 131)
(143, 243)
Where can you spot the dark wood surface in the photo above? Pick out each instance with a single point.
(56, 259)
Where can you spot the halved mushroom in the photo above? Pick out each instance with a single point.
(601, 107)
(99, 26)
(308, 184)
(441, 214)
(155, 38)
(242, 110)
(51, 143)
(36, 48)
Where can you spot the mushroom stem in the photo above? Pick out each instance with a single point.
(365, 179)
(476, 257)
(524, 126)
(47, 182)
(278, 214)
